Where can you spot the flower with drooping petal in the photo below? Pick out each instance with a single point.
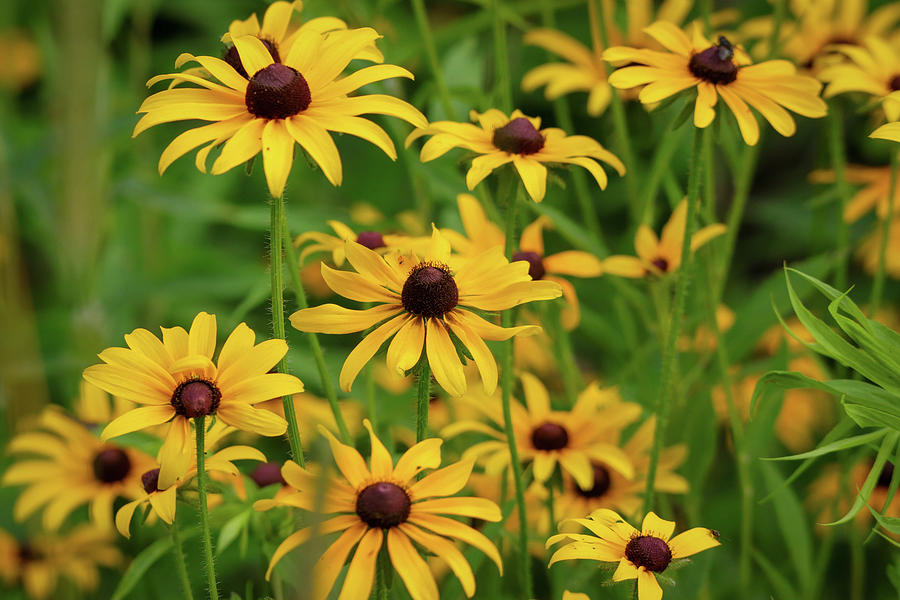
(420, 303)
(659, 256)
(516, 139)
(875, 193)
(546, 437)
(717, 71)
(873, 69)
(640, 554)
(297, 100)
(385, 503)
(69, 466)
(175, 380)
(370, 238)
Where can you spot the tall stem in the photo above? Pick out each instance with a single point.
(506, 384)
(200, 429)
(276, 231)
(878, 283)
(667, 376)
(433, 62)
(178, 550)
(318, 356)
(423, 395)
(502, 86)
(600, 39)
(839, 165)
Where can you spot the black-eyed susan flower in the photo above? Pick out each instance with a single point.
(873, 69)
(385, 504)
(660, 255)
(714, 71)
(370, 238)
(516, 139)
(42, 561)
(611, 489)
(546, 437)
(176, 380)
(64, 465)
(640, 554)
(421, 302)
(874, 193)
(297, 99)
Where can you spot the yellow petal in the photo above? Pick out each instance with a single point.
(671, 37)
(356, 287)
(349, 461)
(692, 541)
(454, 529)
(138, 418)
(366, 349)
(746, 121)
(484, 360)
(406, 347)
(626, 570)
(163, 504)
(443, 358)
(330, 564)
(254, 55)
(175, 456)
(409, 565)
(381, 463)
(124, 515)
(443, 482)
(534, 176)
(479, 508)
(361, 573)
(648, 587)
(657, 527)
(318, 143)
(331, 318)
(278, 155)
(445, 550)
(424, 455)
(256, 420)
(624, 266)
(574, 262)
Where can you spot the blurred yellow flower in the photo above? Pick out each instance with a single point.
(875, 193)
(873, 69)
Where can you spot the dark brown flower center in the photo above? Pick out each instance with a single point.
(601, 483)
(535, 263)
(429, 291)
(383, 505)
(549, 436)
(370, 239)
(267, 474)
(196, 398)
(715, 64)
(150, 481)
(518, 137)
(111, 465)
(649, 552)
(233, 58)
(277, 92)
(887, 473)
(660, 263)
(28, 553)
(894, 83)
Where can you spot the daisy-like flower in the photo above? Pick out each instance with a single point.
(162, 500)
(297, 99)
(547, 437)
(385, 503)
(334, 244)
(420, 304)
(65, 466)
(717, 70)
(43, 560)
(875, 193)
(874, 69)
(516, 139)
(640, 554)
(660, 255)
(176, 381)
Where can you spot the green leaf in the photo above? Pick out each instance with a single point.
(231, 530)
(780, 583)
(844, 444)
(792, 522)
(887, 446)
(139, 566)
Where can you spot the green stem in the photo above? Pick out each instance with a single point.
(552, 574)
(777, 21)
(661, 159)
(276, 233)
(200, 429)
(667, 376)
(502, 86)
(565, 355)
(423, 395)
(617, 107)
(506, 385)
(878, 283)
(839, 165)
(180, 561)
(433, 62)
(318, 356)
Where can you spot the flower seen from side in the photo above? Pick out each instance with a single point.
(640, 554)
(716, 71)
(315, 241)
(872, 69)
(298, 99)
(175, 380)
(499, 139)
(874, 193)
(385, 504)
(660, 255)
(421, 303)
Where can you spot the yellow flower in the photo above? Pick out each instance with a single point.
(74, 468)
(176, 380)
(658, 256)
(298, 100)
(480, 232)
(717, 70)
(385, 500)
(21, 65)
(832, 493)
(162, 500)
(422, 301)
(516, 139)
(874, 69)
(371, 239)
(41, 561)
(547, 437)
(869, 251)
(875, 193)
(640, 554)
(889, 131)
(94, 406)
(704, 339)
